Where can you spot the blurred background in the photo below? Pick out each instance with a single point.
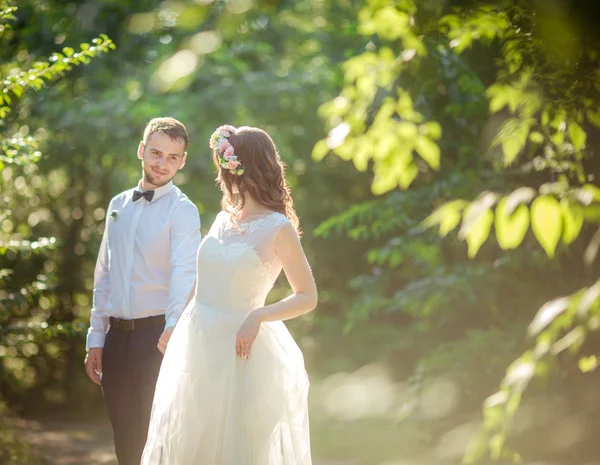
(441, 156)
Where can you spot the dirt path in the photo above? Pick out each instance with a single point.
(81, 443)
(70, 443)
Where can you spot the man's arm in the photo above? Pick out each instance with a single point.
(185, 239)
(99, 320)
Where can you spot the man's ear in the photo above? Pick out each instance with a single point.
(141, 148)
(183, 160)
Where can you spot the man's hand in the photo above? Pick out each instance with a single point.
(93, 365)
(164, 339)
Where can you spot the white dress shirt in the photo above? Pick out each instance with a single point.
(147, 260)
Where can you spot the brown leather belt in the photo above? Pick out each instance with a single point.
(132, 325)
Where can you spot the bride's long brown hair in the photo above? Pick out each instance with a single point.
(263, 179)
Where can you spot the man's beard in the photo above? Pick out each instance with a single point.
(150, 178)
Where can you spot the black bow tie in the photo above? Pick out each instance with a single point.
(137, 195)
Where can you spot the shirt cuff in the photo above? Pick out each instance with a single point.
(95, 339)
(171, 322)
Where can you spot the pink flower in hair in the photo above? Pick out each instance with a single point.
(224, 145)
(233, 163)
(228, 153)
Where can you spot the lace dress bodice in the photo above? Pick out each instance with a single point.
(237, 264)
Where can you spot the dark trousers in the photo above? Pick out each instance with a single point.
(130, 365)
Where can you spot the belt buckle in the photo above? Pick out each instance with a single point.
(128, 325)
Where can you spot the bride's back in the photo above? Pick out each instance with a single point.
(237, 265)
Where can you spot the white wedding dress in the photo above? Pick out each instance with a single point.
(211, 407)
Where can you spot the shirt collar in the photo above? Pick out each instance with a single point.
(159, 191)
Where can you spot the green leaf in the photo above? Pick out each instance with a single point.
(558, 122)
(572, 341)
(514, 141)
(387, 22)
(479, 233)
(362, 155)
(546, 315)
(511, 229)
(536, 137)
(514, 97)
(447, 216)
(546, 222)
(485, 201)
(406, 130)
(477, 223)
(546, 116)
(587, 364)
(449, 222)
(407, 175)
(593, 117)
(591, 213)
(577, 135)
(493, 415)
(382, 183)
(496, 444)
(431, 129)
(462, 42)
(320, 150)
(498, 96)
(591, 191)
(519, 373)
(497, 102)
(429, 151)
(572, 214)
(588, 301)
(512, 405)
(558, 138)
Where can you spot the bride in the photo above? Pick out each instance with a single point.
(233, 389)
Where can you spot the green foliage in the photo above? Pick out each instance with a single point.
(550, 219)
(26, 336)
(374, 118)
(560, 325)
(541, 106)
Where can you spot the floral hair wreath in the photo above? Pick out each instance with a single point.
(219, 142)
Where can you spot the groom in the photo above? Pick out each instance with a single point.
(145, 272)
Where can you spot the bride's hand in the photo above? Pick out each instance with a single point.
(247, 334)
